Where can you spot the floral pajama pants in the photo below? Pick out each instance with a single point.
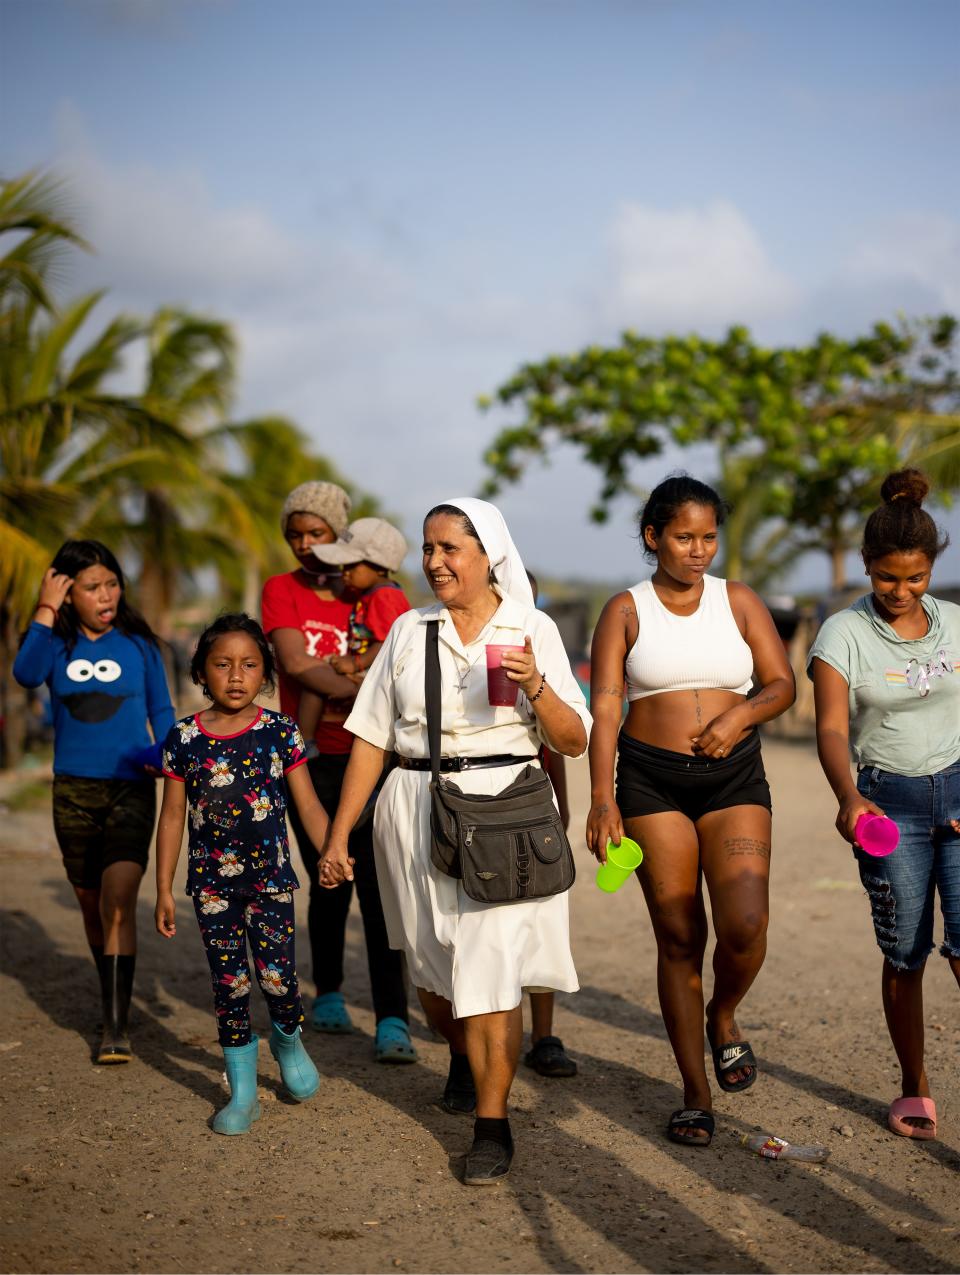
(228, 923)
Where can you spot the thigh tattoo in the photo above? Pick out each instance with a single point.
(737, 847)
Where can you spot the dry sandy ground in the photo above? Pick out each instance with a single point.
(116, 1169)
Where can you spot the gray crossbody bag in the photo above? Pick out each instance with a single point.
(505, 847)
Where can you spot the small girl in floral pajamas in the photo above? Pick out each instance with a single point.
(233, 764)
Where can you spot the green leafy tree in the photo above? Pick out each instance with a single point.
(802, 434)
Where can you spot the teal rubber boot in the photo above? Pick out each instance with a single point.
(243, 1108)
(300, 1078)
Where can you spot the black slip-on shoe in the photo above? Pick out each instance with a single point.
(487, 1162)
(549, 1058)
(459, 1093)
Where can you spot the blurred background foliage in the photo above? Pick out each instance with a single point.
(802, 436)
(190, 498)
(163, 475)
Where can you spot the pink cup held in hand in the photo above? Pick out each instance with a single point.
(500, 690)
(877, 835)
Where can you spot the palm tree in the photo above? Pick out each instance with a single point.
(932, 443)
(163, 476)
(59, 456)
(162, 514)
(271, 456)
(33, 211)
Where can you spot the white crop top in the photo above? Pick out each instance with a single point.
(702, 651)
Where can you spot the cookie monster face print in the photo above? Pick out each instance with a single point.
(103, 692)
(91, 701)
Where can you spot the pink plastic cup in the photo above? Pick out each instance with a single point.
(877, 835)
(500, 690)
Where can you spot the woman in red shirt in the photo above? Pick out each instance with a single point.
(307, 622)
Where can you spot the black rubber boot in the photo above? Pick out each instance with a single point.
(116, 981)
(97, 953)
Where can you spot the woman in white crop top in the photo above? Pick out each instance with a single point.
(684, 649)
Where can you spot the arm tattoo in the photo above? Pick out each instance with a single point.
(609, 690)
(736, 847)
(762, 699)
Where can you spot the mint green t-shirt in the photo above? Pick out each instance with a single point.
(904, 694)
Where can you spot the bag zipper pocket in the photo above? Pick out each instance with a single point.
(471, 828)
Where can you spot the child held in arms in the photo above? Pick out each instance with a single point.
(367, 552)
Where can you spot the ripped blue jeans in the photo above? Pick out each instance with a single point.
(901, 886)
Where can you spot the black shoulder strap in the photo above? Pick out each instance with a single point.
(431, 678)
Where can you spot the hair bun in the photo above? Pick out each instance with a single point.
(906, 484)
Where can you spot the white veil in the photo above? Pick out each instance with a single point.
(498, 545)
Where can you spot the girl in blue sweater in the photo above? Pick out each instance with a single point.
(101, 662)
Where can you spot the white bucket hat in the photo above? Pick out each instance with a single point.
(366, 540)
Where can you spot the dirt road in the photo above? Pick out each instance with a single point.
(115, 1169)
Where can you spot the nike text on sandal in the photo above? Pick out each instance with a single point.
(734, 1057)
(691, 1118)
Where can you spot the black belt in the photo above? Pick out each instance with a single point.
(462, 763)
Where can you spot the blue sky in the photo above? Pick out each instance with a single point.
(397, 203)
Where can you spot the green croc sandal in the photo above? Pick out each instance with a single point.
(393, 1043)
(330, 1015)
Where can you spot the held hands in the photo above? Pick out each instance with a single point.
(54, 588)
(522, 668)
(336, 866)
(164, 915)
(851, 808)
(603, 824)
(719, 737)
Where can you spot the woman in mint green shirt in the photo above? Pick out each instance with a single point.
(886, 675)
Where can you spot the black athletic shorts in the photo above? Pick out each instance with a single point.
(651, 780)
(102, 821)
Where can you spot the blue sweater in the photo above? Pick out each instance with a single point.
(101, 693)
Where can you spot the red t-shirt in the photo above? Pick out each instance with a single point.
(372, 615)
(288, 603)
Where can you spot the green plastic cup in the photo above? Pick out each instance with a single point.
(622, 861)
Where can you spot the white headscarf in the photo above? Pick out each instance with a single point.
(498, 545)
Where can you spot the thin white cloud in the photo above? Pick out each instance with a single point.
(378, 350)
(162, 236)
(692, 267)
(921, 249)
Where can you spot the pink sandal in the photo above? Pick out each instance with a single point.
(922, 1108)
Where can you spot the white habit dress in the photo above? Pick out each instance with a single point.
(481, 957)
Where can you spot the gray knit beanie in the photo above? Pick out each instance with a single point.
(325, 500)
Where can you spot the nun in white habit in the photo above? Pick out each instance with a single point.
(471, 962)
